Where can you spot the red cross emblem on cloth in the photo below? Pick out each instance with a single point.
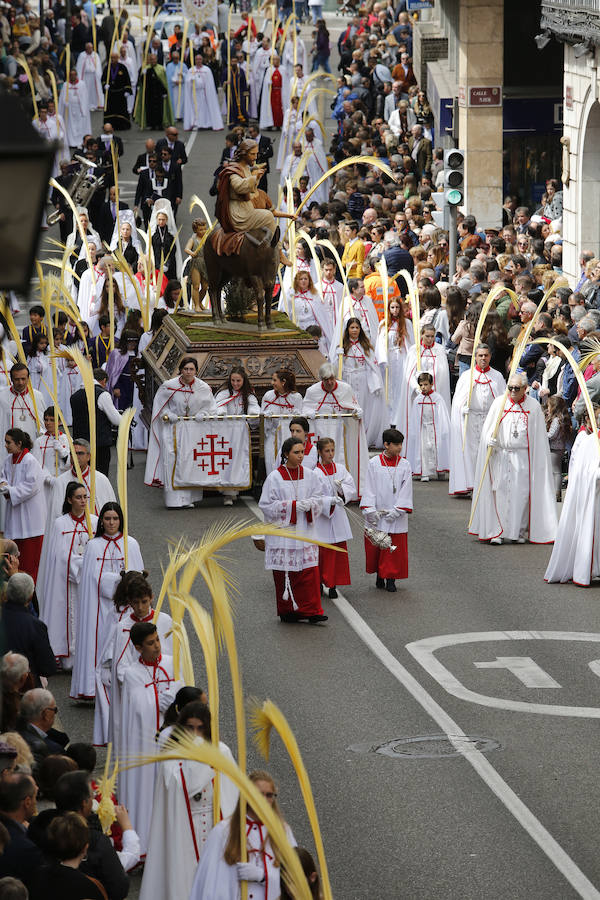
(209, 458)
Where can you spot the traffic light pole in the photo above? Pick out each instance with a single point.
(452, 242)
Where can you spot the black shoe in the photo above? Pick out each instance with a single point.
(380, 583)
(314, 620)
(289, 617)
(333, 594)
(390, 586)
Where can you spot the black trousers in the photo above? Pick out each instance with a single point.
(103, 459)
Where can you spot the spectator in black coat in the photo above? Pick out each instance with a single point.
(35, 724)
(72, 793)
(69, 838)
(22, 631)
(21, 857)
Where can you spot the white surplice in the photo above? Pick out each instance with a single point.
(487, 385)
(201, 105)
(25, 505)
(148, 690)
(393, 358)
(429, 435)
(388, 487)
(20, 411)
(74, 107)
(173, 398)
(278, 504)
(334, 527)
(434, 361)
(517, 497)
(182, 819)
(58, 582)
(118, 653)
(89, 71)
(362, 373)
(576, 552)
(103, 562)
(277, 430)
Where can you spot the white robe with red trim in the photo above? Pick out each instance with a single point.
(576, 552)
(309, 311)
(281, 491)
(517, 497)
(434, 361)
(58, 582)
(362, 373)
(117, 655)
(388, 487)
(104, 492)
(174, 398)
(277, 430)
(429, 435)
(148, 691)
(19, 411)
(216, 880)
(89, 71)
(332, 525)
(318, 401)
(463, 453)
(25, 504)
(103, 562)
(182, 819)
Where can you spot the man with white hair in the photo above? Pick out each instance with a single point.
(14, 675)
(22, 631)
(36, 724)
(517, 497)
(89, 71)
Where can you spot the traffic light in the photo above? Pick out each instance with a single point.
(454, 177)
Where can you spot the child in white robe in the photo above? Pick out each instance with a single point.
(332, 526)
(237, 398)
(300, 428)
(283, 400)
(429, 432)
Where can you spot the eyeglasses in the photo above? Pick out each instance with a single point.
(53, 709)
(515, 387)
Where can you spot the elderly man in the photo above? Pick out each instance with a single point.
(15, 677)
(21, 858)
(517, 497)
(89, 70)
(467, 418)
(142, 162)
(22, 631)
(36, 724)
(104, 489)
(420, 150)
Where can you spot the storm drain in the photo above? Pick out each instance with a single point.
(429, 746)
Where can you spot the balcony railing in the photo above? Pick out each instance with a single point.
(572, 20)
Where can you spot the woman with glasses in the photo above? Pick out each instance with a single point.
(221, 870)
(524, 245)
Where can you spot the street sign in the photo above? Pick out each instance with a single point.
(485, 96)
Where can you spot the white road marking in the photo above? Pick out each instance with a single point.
(524, 668)
(424, 652)
(458, 738)
(190, 143)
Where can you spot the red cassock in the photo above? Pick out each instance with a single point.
(276, 103)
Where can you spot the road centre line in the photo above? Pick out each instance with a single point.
(534, 828)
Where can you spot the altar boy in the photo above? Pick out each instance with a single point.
(386, 502)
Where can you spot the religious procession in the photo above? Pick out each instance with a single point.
(236, 375)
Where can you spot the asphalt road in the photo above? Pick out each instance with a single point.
(519, 821)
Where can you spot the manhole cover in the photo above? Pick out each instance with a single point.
(428, 746)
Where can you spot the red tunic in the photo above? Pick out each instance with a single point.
(276, 103)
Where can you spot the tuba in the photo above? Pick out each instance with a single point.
(82, 187)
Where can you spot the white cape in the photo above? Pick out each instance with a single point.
(486, 387)
(201, 105)
(437, 431)
(539, 504)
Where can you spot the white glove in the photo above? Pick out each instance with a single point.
(371, 516)
(377, 392)
(337, 501)
(357, 413)
(172, 418)
(492, 442)
(338, 483)
(200, 417)
(340, 351)
(303, 505)
(105, 676)
(466, 411)
(57, 444)
(393, 513)
(249, 872)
